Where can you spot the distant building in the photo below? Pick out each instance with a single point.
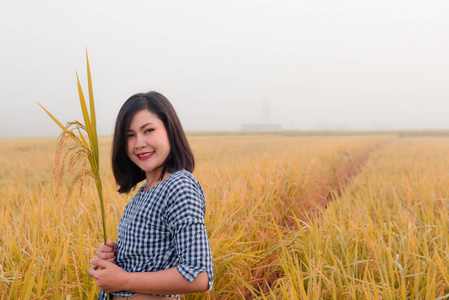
(261, 127)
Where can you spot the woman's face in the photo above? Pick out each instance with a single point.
(148, 145)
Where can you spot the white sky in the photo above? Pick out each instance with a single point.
(347, 64)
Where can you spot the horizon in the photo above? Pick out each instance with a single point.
(294, 132)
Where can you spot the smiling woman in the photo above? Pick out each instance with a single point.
(162, 246)
(128, 174)
(148, 146)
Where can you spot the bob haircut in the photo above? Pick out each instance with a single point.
(126, 173)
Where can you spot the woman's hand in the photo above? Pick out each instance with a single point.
(107, 252)
(109, 277)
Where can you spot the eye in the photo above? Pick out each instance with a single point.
(129, 135)
(149, 130)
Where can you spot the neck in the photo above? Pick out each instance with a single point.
(154, 178)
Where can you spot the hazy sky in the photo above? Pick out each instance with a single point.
(304, 64)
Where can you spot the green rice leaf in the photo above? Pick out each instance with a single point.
(84, 107)
(68, 132)
(92, 110)
(54, 119)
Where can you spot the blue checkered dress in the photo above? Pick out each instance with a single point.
(164, 227)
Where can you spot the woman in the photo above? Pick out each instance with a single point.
(162, 248)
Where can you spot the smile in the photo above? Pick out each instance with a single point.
(145, 155)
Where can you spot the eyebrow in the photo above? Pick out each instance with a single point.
(143, 126)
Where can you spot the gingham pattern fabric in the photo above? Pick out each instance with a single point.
(164, 227)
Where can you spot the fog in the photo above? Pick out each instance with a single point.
(306, 65)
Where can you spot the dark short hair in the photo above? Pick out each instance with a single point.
(126, 173)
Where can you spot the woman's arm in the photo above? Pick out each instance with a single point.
(166, 282)
(111, 278)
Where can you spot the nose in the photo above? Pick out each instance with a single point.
(140, 142)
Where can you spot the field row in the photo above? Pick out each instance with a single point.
(385, 237)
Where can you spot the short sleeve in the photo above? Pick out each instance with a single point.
(186, 208)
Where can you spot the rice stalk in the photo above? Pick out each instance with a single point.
(81, 150)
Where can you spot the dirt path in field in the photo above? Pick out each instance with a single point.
(335, 183)
(313, 201)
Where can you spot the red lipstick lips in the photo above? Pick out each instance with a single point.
(145, 155)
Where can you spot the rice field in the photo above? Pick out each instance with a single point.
(289, 217)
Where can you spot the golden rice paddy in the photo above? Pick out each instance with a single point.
(289, 217)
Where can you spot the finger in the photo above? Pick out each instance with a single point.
(100, 263)
(92, 271)
(105, 248)
(104, 255)
(94, 267)
(99, 254)
(111, 244)
(110, 259)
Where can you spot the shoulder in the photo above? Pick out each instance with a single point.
(184, 192)
(182, 180)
